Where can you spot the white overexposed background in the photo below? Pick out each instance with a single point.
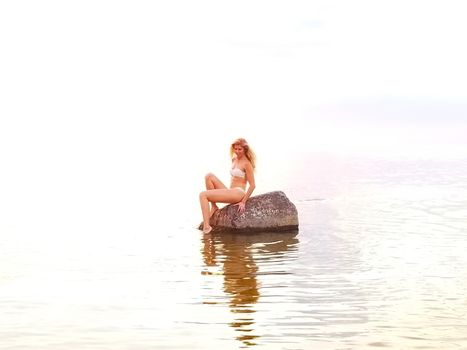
(112, 111)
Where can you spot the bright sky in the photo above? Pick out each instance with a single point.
(126, 90)
(334, 75)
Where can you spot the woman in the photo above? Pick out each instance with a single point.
(243, 165)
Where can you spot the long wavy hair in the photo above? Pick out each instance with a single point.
(249, 154)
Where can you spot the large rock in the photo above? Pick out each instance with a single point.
(271, 211)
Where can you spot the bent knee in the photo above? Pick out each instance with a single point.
(210, 176)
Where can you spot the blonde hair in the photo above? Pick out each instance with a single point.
(249, 154)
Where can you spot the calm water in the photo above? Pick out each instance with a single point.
(378, 262)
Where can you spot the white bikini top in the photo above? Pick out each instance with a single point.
(237, 172)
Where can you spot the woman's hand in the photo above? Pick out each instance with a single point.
(241, 206)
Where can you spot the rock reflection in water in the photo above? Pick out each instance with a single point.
(238, 255)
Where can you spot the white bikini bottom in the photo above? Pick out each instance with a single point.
(238, 188)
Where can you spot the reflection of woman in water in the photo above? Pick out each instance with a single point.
(243, 165)
(240, 282)
(240, 272)
(236, 253)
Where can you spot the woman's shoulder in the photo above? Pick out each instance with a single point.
(246, 164)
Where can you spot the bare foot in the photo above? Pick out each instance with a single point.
(207, 230)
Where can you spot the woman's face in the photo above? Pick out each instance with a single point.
(239, 151)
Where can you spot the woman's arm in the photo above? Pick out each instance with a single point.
(250, 178)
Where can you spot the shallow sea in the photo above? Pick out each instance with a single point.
(379, 262)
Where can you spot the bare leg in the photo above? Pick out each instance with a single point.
(213, 183)
(217, 195)
(214, 208)
(203, 200)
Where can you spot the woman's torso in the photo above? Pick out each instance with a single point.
(238, 174)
